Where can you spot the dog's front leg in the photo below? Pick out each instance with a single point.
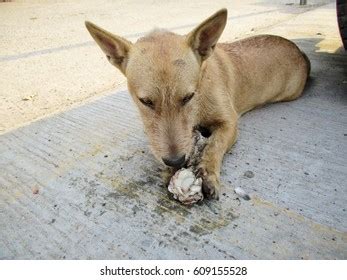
(221, 140)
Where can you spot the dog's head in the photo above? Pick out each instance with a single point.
(163, 73)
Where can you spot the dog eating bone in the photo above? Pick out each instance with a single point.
(185, 185)
(179, 82)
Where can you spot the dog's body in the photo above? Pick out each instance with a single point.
(241, 76)
(183, 82)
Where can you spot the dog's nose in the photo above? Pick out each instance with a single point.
(175, 161)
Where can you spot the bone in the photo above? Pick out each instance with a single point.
(185, 185)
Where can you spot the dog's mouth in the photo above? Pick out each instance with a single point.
(199, 133)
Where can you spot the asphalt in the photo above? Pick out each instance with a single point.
(82, 184)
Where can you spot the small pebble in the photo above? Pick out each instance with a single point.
(239, 191)
(248, 174)
(35, 190)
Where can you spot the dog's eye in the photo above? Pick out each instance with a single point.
(186, 99)
(147, 102)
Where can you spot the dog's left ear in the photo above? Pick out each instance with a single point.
(204, 38)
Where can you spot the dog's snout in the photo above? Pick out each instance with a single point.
(175, 161)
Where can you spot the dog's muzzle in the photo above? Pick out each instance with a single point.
(175, 161)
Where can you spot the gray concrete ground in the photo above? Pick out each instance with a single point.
(82, 184)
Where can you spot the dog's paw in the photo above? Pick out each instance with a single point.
(210, 184)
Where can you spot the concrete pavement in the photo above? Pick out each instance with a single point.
(82, 184)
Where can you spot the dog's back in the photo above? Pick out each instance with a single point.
(267, 69)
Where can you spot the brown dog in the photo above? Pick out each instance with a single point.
(180, 83)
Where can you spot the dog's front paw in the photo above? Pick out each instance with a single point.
(210, 184)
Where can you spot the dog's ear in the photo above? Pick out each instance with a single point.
(115, 47)
(204, 38)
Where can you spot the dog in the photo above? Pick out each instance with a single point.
(180, 83)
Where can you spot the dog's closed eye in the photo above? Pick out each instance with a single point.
(147, 102)
(187, 98)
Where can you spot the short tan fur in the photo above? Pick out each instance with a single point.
(180, 83)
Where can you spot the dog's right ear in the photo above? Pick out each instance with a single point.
(204, 38)
(115, 47)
